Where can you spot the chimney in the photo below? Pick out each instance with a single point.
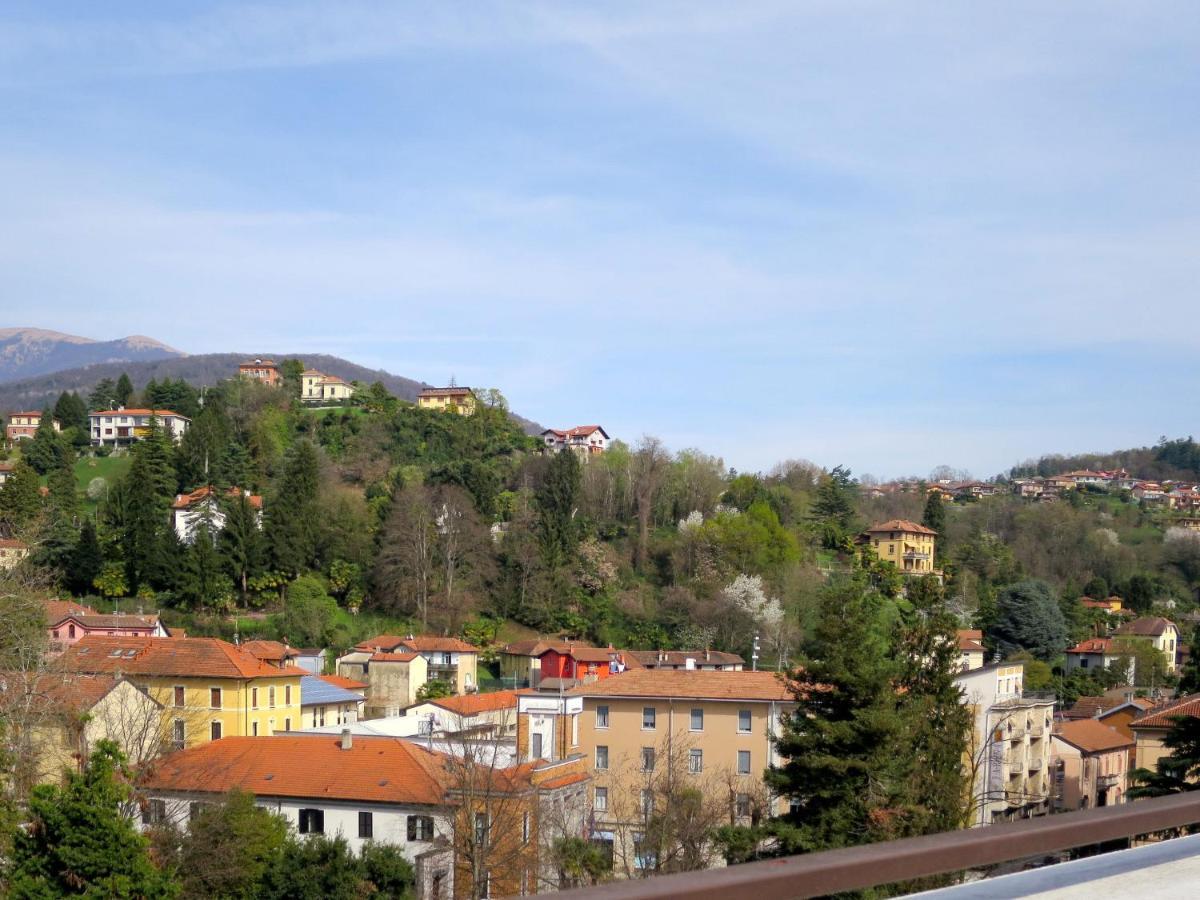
(347, 739)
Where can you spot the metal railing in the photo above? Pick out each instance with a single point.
(871, 865)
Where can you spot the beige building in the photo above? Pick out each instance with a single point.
(12, 552)
(447, 659)
(521, 663)
(459, 400)
(1091, 765)
(1151, 729)
(317, 387)
(906, 545)
(1160, 632)
(971, 651)
(392, 679)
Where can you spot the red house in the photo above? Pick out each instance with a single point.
(70, 622)
(585, 664)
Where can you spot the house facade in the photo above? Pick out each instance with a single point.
(392, 679)
(1093, 653)
(583, 440)
(584, 665)
(521, 661)
(70, 622)
(205, 505)
(459, 400)
(24, 425)
(121, 427)
(971, 651)
(1151, 730)
(447, 659)
(317, 387)
(1091, 765)
(906, 545)
(263, 370)
(1161, 633)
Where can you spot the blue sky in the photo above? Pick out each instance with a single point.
(886, 235)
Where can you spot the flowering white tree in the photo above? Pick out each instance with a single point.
(692, 522)
(747, 594)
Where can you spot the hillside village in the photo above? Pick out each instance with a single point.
(517, 660)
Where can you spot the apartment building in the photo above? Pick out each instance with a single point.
(1091, 764)
(121, 427)
(263, 370)
(1159, 632)
(454, 399)
(907, 545)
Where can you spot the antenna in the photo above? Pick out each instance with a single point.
(754, 655)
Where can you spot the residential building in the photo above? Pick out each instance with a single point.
(209, 688)
(583, 440)
(121, 427)
(448, 659)
(6, 470)
(310, 659)
(263, 370)
(12, 551)
(323, 703)
(1160, 632)
(1110, 605)
(23, 426)
(1089, 478)
(1094, 653)
(645, 730)
(1008, 759)
(317, 387)
(1150, 730)
(521, 661)
(1091, 764)
(971, 651)
(582, 665)
(69, 622)
(392, 678)
(492, 715)
(454, 399)
(206, 504)
(690, 660)
(907, 545)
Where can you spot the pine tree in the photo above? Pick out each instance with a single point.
(86, 560)
(123, 392)
(20, 497)
(935, 513)
(558, 502)
(241, 541)
(62, 506)
(234, 468)
(48, 450)
(833, 508)
(149, 489)
(71, 412)
(1176, 772)
(103, 395)
(203, 582)
(291, 516)
(79, 843)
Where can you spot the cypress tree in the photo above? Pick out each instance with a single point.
(935, 513)
(241, 541)
(123, 392)
(149, 489)
(86, 560)
(558, 501)
(291, 516)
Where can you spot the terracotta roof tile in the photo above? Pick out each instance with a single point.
(161, 413)
(699, 685)
(1093, 645)
(183, 501)
(1146, 626)
(348, 683)
(422, 643)
(269, 651)
(680, 657)
(537, 646)
(902, 525)
(183, 657)
(393, 657)
(1164, 716)
(474, 704)
(1092, 736)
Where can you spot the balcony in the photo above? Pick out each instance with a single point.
(1164, 868)
(1035, 765)
(1016, 766)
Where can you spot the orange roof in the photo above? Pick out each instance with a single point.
(1146, 626)
(1091, 736)
(57, 610)
(474, 704)
(348, 683)
(66, 691)
(1093, 645)
(375, 769)
(272, 651)
(393, 657)
(1164, 716)
(137, 412)
(551, 784)
(183, 501)
(538, 646)
(182, 657)
(422, 643)
(970, 640)
(902, 525)
(698, 685)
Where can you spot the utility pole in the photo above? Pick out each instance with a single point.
(754, 655)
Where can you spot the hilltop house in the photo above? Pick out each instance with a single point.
(189, 510)
(317, 387)
(460, 400)
(24, 425)
(121, 427)
(907, 545)
(263, 370)
(583, 440)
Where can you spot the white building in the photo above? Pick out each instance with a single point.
(189, 510)
(317, 387)
(121, 427)
(585, 440)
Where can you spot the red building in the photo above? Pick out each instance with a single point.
(263, 370)
(585, 664)
(70, 622)
(24, 425)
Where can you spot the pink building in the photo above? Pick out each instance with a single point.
(69, 622)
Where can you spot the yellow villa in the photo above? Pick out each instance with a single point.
(209, 688)
(448, 399)
(907, 545)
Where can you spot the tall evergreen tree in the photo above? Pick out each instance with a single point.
(935, 513)
(833, 508)
(70, 411)
(86, 560)
(48, 450)
(234, 468)
(291, 515)
(241, 542)
(1176, 772)
(1189, 672)
(103, 395)
(149, 489)
(203, 582)
(62, 506)
(20, 497)
(558, 502)
(203, 446)
(123, 392)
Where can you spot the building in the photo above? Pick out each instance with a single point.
(206, 504)
(317, 387)
(907, 545)
(582, 665)
(209, 689)
(392, 679)
(1008, 759)
(491, 715)
(1160, 632)
(1150, 730)
(1091, 765)
(263, 370)
(310, 659)
(70, 622)
(647, 732)
(971, 652)
(459, 400)
(1110, 605)
(12, 552)
(24, 425)
(121, 427)
(324, 703)
(1094, 653)
(448, 659)
(521, 661)
(584, 440)
(690, 660)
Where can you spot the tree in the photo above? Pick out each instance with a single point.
(433, 689)
(1189, 672)
(123, 392)
(110, 580)
(833, 508)
(308, 613)
(405, 563)
(1029, 618)
(290, 371)
(20, 497)
(71, 412)
(1178, 771)
(234, 467)
(935, 513)
(86, 560)
(48, 450)
(387, 869)
(648, 469)
(316, 866)
(558, 502)
(103, 395)
(203, 583)
(291, 515)
(61, 533)
(241, 542)
(149, 489)
(229, 847)
(79, 843)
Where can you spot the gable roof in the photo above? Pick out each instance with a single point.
(970, 640)
(1088, 707)
(445, 392)
(161, 413)
(269, 651)
(680, 657)
(340, 681)
(577, 431)
(1164, 716)
(901, 525)
(474, 704)
(421, 643)
(1093, 645)
(315, 690)
(182, 657)
(57, 691)
(697, 685)
(537, 646)
(57, 610)
(383, 656)
(1091, 736)
(183, 501)
(1146, 626)
(374, 769)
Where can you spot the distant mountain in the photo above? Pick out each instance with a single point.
(199, 369)
(28, 352)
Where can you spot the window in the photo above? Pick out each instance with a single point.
(601, 757)
(70, 631)
(535, 740)
(154, 812)
(743, 762)
(214, 698)
(601, 716)
(420, 828)
(743, 721)
(647, 759)
(601, 802)
(215, 731)
(287, 695)
(178, 734)
(271, 696)
(312, 821)
(642, 857)
(447, 659)
(321, 715)
(575, 730)
(743, 806)
(648, 718)
(254, 729)
(254, 698)
(1083, 662)
(487, 886)
(481, 829)
(179, 695)
(366, 825)
(697, 723)
(195, 808)
(287, 724)
(525, 828)
(695, 761)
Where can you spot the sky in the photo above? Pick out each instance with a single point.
(885, 235)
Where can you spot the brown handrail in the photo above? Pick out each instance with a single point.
(854, 868)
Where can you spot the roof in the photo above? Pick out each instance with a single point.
(903, 525)
(698, 685)
(374, 769)
(269, 651)
(562, 781)
(182, 657)
(1088, 707)
(970, 640)
(680, 657)
(308, 373)
(393, 657)
(422, 643)
(1093, 645)
(445, 392)
(57, 610)
(183, 501)
(538, 646)
(348, 683)
(315, 690)
(333, 379)
(111, 620)
(259, 364)
(67, 691)
(474, 704)
(1091, 736)
(1164, 716)
(37, 414)
(577, 431)
(1146, 626)
(12, 544)
(163, 413)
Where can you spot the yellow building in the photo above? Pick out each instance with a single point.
(906, 545)
(1151, 730)
(460, 400)
(209, 688)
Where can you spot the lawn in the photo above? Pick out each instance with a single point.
(110, 468)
